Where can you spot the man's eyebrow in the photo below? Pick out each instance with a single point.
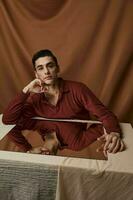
(51, 62)
(38, 66)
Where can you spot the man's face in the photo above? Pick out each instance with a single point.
(46, 70)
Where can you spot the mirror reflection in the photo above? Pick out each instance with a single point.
(71, 139)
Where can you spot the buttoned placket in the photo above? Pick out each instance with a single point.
(62, 91)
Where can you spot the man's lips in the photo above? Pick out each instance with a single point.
(48, 77)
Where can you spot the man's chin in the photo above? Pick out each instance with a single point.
(49, 82)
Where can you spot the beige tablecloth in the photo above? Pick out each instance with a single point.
(80, 179)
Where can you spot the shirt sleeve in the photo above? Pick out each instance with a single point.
(15, 135)
(19, 112)
(94, 106)
(17, 109)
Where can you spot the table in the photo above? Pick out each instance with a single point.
(66, 178)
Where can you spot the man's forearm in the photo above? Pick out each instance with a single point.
(111, 123)
(14, 110)
(15, 135)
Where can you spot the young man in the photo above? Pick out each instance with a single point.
(52, 97)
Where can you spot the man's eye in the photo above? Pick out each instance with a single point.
(40, 68)
(51, 65)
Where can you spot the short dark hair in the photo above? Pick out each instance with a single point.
(43, 53)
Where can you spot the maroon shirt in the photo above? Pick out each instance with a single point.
(76, 101)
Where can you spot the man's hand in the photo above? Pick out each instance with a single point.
(112, 143)
(34, 86)
(39, 150)
(50, 146)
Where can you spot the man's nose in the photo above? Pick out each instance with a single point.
(46, 71)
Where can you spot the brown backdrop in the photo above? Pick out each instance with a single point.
(93, 41)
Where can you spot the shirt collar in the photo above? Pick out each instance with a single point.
(63, 86)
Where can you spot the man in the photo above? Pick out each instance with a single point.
(52, 97)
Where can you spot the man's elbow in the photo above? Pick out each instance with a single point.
(6, 120)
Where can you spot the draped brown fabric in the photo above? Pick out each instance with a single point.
(93, 41)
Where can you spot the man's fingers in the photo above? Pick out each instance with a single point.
(122, 146)
(37, 86)
(116, 148)
(105, 154)
(45, 151)
(115, 143)
(101, 149)
(102, 138)
(108, 141)
(38, 81)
